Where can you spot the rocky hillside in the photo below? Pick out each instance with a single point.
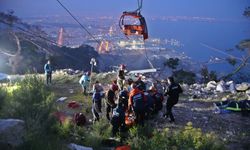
(25, 48)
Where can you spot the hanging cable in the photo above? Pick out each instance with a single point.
(84, 28)
(146, 56)
(41, 37)
(219, 51)
(29, 32)
(139, 2)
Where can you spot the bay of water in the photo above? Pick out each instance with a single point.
(222, 35)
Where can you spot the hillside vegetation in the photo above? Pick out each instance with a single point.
(32, 101)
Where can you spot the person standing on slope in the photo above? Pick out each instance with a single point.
(110, 100)
(173, 91)
(97, 101)
(121, 77)
(48, 72)
(84, 81)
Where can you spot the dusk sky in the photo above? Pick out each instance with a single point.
(209, 8)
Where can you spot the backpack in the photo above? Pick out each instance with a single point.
(73, 105)
(79, 119)
(138, 103)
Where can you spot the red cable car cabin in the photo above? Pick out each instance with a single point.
(128, 29)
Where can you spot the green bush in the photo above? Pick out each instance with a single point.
(99, 132)
(172, 63)
(3, 94)
(138, 137)
(31, 101)
(186, 138)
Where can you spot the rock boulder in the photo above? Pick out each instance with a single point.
(11, 132)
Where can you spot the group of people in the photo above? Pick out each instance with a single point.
(129, 97)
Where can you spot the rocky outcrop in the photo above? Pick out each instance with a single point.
(248, 94)
(11, 132)
(242, 87)
(212, 89)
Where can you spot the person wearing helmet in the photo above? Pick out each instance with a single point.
(84, 82)
(110, 100)
(140, 84)
(121, 77)
(137, 103)
(158, 99)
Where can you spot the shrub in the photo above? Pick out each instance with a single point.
(190, 137)
(3, 94)
(186, 138)
(208, 75)
(182, 76)
(172, 63)
(99, 132)
(31, 101)
(138, 137)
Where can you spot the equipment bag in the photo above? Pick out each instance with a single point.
(79, 119)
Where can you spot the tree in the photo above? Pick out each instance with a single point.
(247, 12)
(205, 74)
(208, 76)
(244, 47)
(231, 60)
(182, 76)
(172, 63)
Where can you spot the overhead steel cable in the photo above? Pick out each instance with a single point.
(219, 51)
(139, 3)
(146, 56)
(46, 39)
(29, 32)
(82, 26)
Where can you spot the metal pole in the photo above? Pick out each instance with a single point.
(93, 63)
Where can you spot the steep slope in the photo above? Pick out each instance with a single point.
(25, 48)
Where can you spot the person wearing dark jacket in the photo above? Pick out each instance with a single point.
(97, 100)
(140, 84)
(48, 72)
(110, 100)
(123, 98)
(173, 91)
(118, 119)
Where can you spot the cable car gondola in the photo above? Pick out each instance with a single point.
(132, 29)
